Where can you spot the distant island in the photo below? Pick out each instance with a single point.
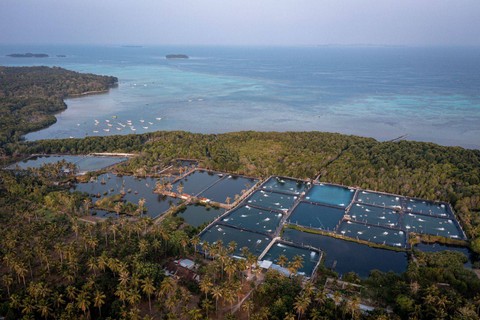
(28, 55)
(176, 56)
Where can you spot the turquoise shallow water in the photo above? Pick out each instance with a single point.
(431, 94)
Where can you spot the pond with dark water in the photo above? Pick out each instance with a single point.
(197, 181)
(349, 256)
(310, 258)
(272, 200)
(380, 235)
(229, 186)
(285, 185)
(255, 242)
(316, 216)
(197, 215)
(253, 219)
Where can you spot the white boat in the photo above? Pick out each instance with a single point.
(119, 129)
(142, 121)
(106, 130)
(145, 128)
(158, 119)
(150, 123)
(95, 131)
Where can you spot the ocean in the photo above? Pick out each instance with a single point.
(428, 94)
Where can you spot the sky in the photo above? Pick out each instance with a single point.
(241, 22)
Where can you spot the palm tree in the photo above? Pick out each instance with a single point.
(99, 301)
(229, 296)
(166, 287)
(44, 308)
(248, 307)
(148, 288)
(217, 293)
(205, 285)
(301, 304)
(83, 301)
(195, 240)
(230, 267)
(118, 207)
(195, 314)
(141, 205)
(207, 306)
(7, 280)
(180, 189)
(232, 245)
(134, 297)
(122, 293)
(282, 260)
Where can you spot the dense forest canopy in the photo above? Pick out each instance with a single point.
(30, 96)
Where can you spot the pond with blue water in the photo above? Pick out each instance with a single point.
(330, 194)
(197, 181)
(390, 237)
(316, 216)
(255, 242)
(229, 186)
(197, 215)
(431, 225)
(253, 219)
(379, 199)
(428, 207)
(347, 256)
(272, 200)
(374, 215)
(134, 189)
(310, 258)
(285, 185)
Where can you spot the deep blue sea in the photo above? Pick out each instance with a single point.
(430, 94)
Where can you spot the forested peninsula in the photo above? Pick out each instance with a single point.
(30, 96)
(56, 263)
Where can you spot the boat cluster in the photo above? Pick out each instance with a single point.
(119, 126)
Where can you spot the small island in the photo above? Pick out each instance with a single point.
(176, 56)
(28, 55)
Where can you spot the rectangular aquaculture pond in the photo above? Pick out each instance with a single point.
(346, 256)
(432, 225)
(255, 242)
(133, 189)
(391, 237)
(196, 182)
(253, 219)
(330, 195)
(285, 185)
(374, 215)
(316, 216)
(229, 187)
(197, 215)
(379, 199)
(310, 258)
(84, 163)
(428, 207)
(272, 200)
